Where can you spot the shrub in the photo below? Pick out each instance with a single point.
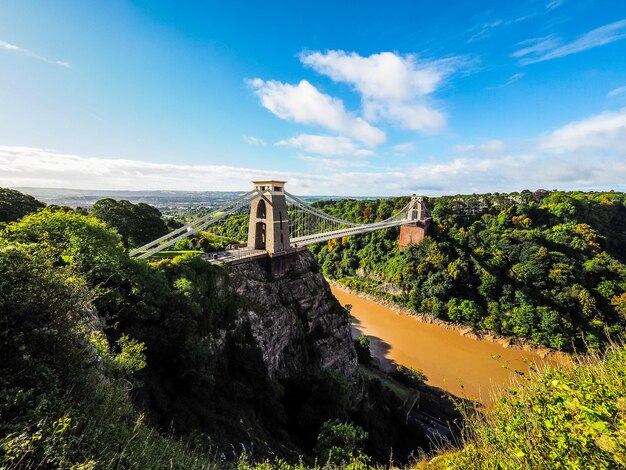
(362, 346)
(573, 417)
(409, 376)
(338, 443)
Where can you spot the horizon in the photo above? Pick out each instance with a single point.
(482, 97)
(33, 191)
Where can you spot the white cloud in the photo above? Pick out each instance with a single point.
(487, 28)
(463, 148)
(493, 147)
(512, 79)
(304, 104)
(602, 133)
(392, 86)
(516, 172)
(405, 147)
(23, 166)
(26, 166)
(412, 116)
(251, 140)
(380, 76)
(12, 47)
(325, 145)
(489, 148)
(616, 91)
(552, 4)
(325, 164)
(536, 46)
(542, 49)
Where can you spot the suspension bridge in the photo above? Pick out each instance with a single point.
(281, 223)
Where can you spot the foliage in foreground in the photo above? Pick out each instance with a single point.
(560, 418)
(90, 338)
(63, 400)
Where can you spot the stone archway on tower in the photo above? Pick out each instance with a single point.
(269, 223)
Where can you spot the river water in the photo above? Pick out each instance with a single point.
(464, 366)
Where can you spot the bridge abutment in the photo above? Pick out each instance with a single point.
(416, 228)
(413, 233)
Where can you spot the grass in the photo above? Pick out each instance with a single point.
(403, 392)
(566, 417)
(174, 253)
(108, 433)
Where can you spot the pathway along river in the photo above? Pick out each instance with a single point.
(464, 366)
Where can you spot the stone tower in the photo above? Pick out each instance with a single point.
(269, 220)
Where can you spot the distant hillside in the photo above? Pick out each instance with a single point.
(159, 199)
(173, 200)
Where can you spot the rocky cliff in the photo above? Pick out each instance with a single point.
(255, 357)
(295, 320)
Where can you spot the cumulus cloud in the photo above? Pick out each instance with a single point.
(392, 86)
(12, 47)
(325, 145)
(542, 49)
(412, 116)
(602, 133)
(380, 76)
(305, 104)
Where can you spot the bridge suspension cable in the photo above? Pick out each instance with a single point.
(197, 225)
(307, 224)
(310, 225)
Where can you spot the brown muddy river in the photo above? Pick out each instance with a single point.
(464, 366)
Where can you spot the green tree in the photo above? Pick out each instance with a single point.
(339, 443)
(81, 242)
(14, 205)
(138, 224)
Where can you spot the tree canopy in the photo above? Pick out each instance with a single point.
(137, 224)
(14, 205)
(544, 266)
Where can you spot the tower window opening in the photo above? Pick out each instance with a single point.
(261, 210)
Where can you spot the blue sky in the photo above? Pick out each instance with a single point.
(366, 98)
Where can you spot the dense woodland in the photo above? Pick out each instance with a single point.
(548, 267)
(104, 365)
(107, 363)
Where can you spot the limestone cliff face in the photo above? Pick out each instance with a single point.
(234, 355)
(294, 318)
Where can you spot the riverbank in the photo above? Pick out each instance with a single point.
(465, 365)
(464, 330)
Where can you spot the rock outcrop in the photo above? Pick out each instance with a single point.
(295, 320)
(255, 355)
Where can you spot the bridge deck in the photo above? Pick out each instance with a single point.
(321, 237)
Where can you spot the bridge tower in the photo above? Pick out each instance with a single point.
(417, 224)
(269, 220)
